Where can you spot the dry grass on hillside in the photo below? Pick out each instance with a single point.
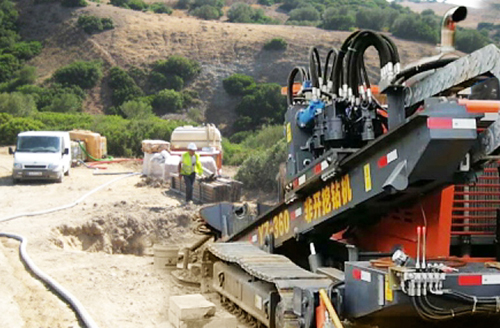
(141, 38)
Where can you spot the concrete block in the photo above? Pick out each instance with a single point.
(194, 306)
(221, 319)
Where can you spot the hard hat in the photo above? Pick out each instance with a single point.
(192, 146)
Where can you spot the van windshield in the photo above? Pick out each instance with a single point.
(38, 144)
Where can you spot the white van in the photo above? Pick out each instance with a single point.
(41, 155)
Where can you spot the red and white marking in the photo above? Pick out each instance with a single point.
(296, 213)
(388, 158)
(361, 275)
(451, 123)
(318, 168)
(479, 280)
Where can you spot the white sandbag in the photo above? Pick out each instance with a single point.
(209, 164)
(156, 166)
(145, 163)
(171, 165)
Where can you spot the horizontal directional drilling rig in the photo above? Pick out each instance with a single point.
(382, 217)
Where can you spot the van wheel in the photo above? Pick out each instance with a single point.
(66, 173)
(15, 181)
(60, 179)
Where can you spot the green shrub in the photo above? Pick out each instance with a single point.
(107, 24)
(123, 87)
(80, 73)
(265, 105)
(244, 13)
(93, 24)
(289, 5)
(177, 65)
(130, 4)
(190, 97)
(65, 103)
(8, 66)
(184, 4)
(134, 109)
(65, 121)
(17, 104)
(373, 19)
(137, 5)
(468, 40)
(207, 12)
(74, 3)
(276, 44)
(414, 27)
(266, 2)
(238, 84)
(10, 129)
(26, 75)
(5, 117)
(214, 3)
(305, 14)
(234, 154)
(167, 101)
(264, 138)
(45, 97)
(25, 50)
(259, 170)
(159, 81)
(335, 19)
(160, 8)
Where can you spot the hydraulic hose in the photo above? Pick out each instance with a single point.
(291, 79)
(64, 207)
(82, 314)
(330, 57)
(412, 71)
(61, 291)
(314, 67)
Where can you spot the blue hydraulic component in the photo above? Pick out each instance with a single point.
(305, 117)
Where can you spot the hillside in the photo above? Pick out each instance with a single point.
(488, 12)
(140, 38)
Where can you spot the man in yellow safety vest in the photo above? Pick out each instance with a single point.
(189, 167)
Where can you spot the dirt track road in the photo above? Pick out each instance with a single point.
(99, 250)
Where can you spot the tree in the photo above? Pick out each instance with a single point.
(8, 66)
(136, 109)
(373, 19)
(333, 19)
(468, 40)
(304, 14)
(207, 12)
(10, 129)
(178, 65)
(74, 3)
(265, 105)
(80, 73)
(17, 104)
(238, 84)
(167, 101)
(160, 8)
(65, 103)
(123, 86)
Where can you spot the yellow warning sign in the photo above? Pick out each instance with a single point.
(368, 177)
(288, 133)
(389, 297)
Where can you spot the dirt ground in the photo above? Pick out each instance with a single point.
(99, 250)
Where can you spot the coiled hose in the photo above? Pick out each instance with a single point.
(80, 311)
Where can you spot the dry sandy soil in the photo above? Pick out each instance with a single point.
(100, 250)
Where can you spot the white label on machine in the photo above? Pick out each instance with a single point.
(254, 239)
(302, 180)
(366, 276)
(392, 156)
(324, 165)
(258, 302)
(491, 279)
(464, 123)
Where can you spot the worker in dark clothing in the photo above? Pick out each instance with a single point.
(189, 167)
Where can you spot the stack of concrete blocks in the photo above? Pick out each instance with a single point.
(195, 311)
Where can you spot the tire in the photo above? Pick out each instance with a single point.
(15, 181)
(60, 179)
(66, 173)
